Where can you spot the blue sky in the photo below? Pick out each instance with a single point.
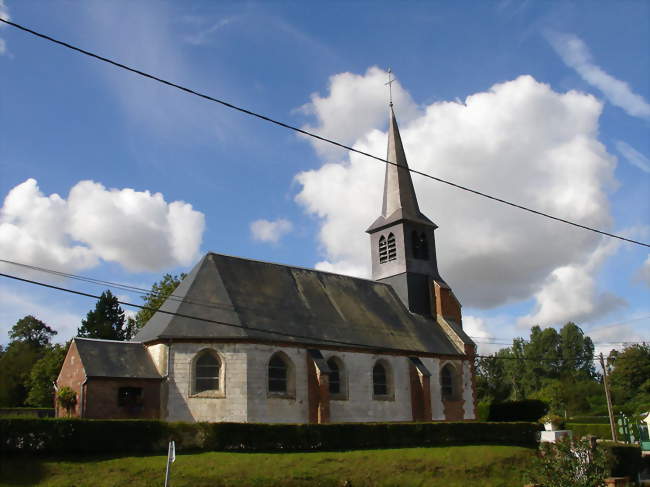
(543, 103)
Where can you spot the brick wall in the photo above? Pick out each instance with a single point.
(102, 399)
(72, 375)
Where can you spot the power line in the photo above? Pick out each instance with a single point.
(181, 299)
(324, 341)
(311, 134)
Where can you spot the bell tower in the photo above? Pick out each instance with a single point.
(402, 240)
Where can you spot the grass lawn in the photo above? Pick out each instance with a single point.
(485, 466)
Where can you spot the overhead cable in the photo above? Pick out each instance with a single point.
(311, 134)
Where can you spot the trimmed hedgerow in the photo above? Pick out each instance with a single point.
(624, 460)
(600, 430)
(526, 410)
(142, 436)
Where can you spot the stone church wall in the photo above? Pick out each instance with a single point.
(245, 397)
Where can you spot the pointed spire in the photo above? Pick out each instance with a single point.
(400, 201)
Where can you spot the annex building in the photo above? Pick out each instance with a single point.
(247, 341)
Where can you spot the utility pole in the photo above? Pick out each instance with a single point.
(612, 423)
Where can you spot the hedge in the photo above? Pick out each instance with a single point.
(32, 412)
(624, 460)
(526, 410)
(600, 430)
(142, 436)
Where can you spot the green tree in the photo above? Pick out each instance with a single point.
(630, 377)
(16, 364)
(160, 291)
(42, 376)
(106, 321)
(32, 331)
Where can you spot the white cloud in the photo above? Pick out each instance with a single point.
(136, 229)
(615, 336)
(270, 231)
(519, 140)
(633, 156)
(355, 104)
(4, 15)
(477, 328)
(575, 54)
(570, 293)
(643, 274)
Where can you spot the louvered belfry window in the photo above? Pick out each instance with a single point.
(383, 250)
(392, 249)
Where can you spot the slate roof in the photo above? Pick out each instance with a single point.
(110, 358)
(274, 302)
(400, 201)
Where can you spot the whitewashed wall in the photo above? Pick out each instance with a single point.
(246, 397)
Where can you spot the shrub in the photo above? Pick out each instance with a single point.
(527, 410)
(600, 430)
(141, 436)
(623, 460)
(570, 464)
(67, 399)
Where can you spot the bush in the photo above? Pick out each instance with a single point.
(589, 420)
(142, 436)
(624, 460)
(527, 410)
(600, 430)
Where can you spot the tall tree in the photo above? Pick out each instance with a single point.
(16, 364)
(160, 291)
(106, 321)
(42, 376)
(630, 378)
(32, 331)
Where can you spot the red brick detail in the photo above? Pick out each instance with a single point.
(318, 393)
(470, 351)
(453, 410)
(72, 375)
(420, 395)
(101, 397)
(446, 303)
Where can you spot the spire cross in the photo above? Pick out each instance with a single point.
(390, 86)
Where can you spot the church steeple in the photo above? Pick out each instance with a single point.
(402, 238)
(400, 201)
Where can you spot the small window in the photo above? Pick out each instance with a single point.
(420, 246)
(379, 380)
(206, 375)
(392, 249)
(278, 375)
(129, 397)
(447, 382)
(383, 250)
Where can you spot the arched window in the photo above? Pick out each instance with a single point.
(207, 372)
(382, 379)
(278, 374)
(337, 379)
(447, 386)
(392, 249)
(383, 251)
(420, 246)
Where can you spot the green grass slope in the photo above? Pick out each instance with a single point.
(487, 466)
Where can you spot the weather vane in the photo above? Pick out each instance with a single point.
(390, 86)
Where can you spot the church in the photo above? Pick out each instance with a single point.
(242, 340)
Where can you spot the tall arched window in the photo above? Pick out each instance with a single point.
(337, 379)
(383, 251)
(207, 372)
(392, 249)
(382, 380)
(419, 245)
(278, 374)
(447, 386)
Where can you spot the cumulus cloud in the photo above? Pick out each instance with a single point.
(4, 15)
(270, 231)
(478, 329)
(575, 54)
(570, 293)
(633, 156)
(520, 140)
(355, 103)
(136, 229)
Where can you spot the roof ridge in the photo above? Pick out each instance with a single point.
(107, 340)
